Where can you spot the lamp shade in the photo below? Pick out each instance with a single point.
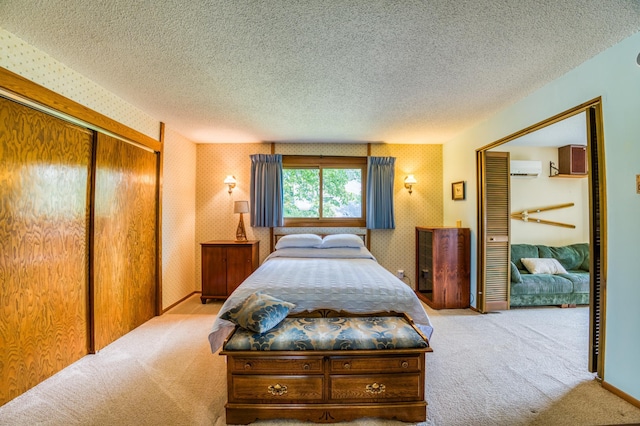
(241, 207)
(229, 180)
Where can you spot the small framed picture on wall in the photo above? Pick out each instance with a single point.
(457, 190)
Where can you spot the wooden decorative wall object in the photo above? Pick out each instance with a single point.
(125, 276)
(44, 169)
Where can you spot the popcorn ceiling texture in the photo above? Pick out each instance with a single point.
(410, 71)
(33, 64)
(394, 249)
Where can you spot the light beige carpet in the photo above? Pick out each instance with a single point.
(519, 367)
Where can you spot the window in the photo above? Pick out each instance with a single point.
(324, 191)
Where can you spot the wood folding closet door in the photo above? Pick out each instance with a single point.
(124, 256)
(44, 217)
(494, 229)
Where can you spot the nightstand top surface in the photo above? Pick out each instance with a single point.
(229, 242)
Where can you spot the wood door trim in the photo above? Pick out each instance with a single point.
(600, 192)
(544, 123)
(38, 94)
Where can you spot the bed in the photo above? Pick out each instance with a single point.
(335, 274)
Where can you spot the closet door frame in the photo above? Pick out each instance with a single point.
(597, 222)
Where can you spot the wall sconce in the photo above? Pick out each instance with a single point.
(231, 181)
(241, 207)
(409, 181)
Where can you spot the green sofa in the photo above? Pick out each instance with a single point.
(571, 288)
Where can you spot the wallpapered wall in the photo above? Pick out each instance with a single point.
(394, 249)
(179, 154)
(25, 60)
(178, 218)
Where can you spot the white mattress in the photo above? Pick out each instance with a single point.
(342, 279)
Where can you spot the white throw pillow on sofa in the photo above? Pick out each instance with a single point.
(543, 265)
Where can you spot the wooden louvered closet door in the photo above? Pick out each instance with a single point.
(493, 288)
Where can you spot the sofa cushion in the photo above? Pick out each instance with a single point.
(542, 284)
(583, 248)
(580, 280)
(570, 257)
(518, 251)
(515, 274)
(330, 334)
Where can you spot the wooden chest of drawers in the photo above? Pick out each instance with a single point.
(326, 386)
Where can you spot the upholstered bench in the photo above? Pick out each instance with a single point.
(327, 369)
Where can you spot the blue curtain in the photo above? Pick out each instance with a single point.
(267, 197)
(380, 174)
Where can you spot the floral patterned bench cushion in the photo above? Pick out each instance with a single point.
(341, 333)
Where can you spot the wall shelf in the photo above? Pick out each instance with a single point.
(562, 175)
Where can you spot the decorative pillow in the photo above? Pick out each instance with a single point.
(342, 240)
(543, 266)
(299, 240)
(515, 274)
(259, 312)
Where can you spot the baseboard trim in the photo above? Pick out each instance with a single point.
(180, 301)
(614, 390)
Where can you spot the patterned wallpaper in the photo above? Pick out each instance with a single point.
(25, 60)
(215, 219)
(196, 204)
(178, 205)
(178, 218)
(394, 249)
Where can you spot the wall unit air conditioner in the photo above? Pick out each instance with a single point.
(525, 168)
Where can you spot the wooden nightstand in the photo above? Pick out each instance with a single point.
(225, 264)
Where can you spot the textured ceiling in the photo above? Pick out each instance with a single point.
(405, 71)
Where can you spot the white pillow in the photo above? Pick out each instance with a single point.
(299, 240)
(342, 240)
(543, 266)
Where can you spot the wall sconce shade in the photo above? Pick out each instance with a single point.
(231, 181)
(241, 207)
(409, 181)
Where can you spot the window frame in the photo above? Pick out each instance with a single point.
(328, 162)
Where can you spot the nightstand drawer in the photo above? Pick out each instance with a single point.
(284, 365)
(403, 387)
(275, 388)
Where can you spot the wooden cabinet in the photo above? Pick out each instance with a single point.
(442, 267)
(572, 160)
(324, 388)
(225, 264)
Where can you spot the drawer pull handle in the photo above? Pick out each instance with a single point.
(346, 365)
(376, 388)
(306, 367)
(277, 389)
(404, 364)
(247, 366)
